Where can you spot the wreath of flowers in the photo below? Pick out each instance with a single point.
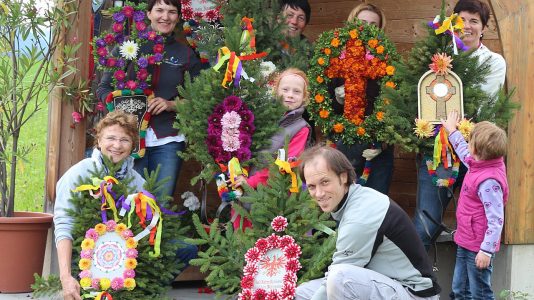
(356, 53)
(146, 117)
(127, 281)
(230, 130)
(140, 33)
(254, 257)
(210, 15)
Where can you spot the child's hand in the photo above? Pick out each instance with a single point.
(482, 260)
(239, 181)
(452, 119)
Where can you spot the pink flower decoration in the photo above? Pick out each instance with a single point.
(131, 84)
(142, 74)
(117, 283)
(109, 38)
(111, 224)
(102, 51)
(100, 106)
(95, 283)
(91, 234)
(77, 117)
(129, 274)
(151, 35)
(140, 26)
(111, 62)
(131, 253)
(279, 224)
(120, 75)
(343, 54)
(118, 27)
(151, 60)
(368, 55)
(128, 11)
(87, 254)
(127, 233)
(85, 274)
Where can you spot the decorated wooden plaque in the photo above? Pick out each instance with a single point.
(438, 95)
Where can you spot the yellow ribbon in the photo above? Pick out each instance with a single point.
(454, 22)
(285, 167)
(149, 201)
(441, 148)
(97, 183)
(235, 169)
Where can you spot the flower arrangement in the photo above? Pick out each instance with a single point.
(230, 130)
(209, 10)
(108, 256)
(356, 53)
(129, 46)
(258, 261)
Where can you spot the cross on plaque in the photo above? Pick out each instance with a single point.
(440, 90)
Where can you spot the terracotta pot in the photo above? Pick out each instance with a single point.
(22, 249)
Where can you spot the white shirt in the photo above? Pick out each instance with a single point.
(152, 140)
(495, 78)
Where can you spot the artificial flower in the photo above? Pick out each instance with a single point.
(320, 79)
(126, 234)
(128, 11)
(110, 225)
(423, 128)
(335, 42)
(77, 117)
(320, 61)
(109, 38)
(129, 284)
(273, 240)
(140, 26)
(292, 251)
(101, 228)
(84, 264)
(390, 70)
(252, 255)
(319, 98)
(353, 34)
(85, 274)
(95, 283)
(372, 43)
(131, 243)
(118, 27)
(260, 294)
(129, 49)
(360, 131)
(441, 63)
(120, 227)
(247, 282)
(267, 68)
(132, 85)
(279, 224)
(380, 49)
(85, 282)
(105, 283)
(391, 84)
(87, 253)
(465, 127)
(380, 116)
(190, 201)
(327, 51)
(88, 244)
(338, 128)
(117, 283)
(293, 265)
(128, 274)
(130, 263)
(132, 253)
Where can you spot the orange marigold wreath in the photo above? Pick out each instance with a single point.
(357, 53)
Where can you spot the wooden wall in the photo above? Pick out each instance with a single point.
(406, 21)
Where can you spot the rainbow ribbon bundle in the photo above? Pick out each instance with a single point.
(441, 145)
(234, 169)
(451, 26)
(103, 188)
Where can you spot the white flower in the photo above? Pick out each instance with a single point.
(231, 120)
(267, 68)
(191, 201)
(129, 49)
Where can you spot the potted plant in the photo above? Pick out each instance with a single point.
(30, 38)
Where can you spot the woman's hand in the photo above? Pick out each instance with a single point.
(239, 181)
(71, 288)
(452, 119)
(340, 94)
(158, 105)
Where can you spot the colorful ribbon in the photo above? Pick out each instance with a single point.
(248, 37)
(441, 145)
(104, 188)
(235, 169)
(286, 167)
(450, 26)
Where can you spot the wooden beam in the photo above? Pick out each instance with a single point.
(516, 26)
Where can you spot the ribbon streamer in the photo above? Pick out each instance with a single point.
(442, 150)
(450, 26)
(104, 188)
(285, 167)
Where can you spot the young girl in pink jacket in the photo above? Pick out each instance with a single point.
(480, 212)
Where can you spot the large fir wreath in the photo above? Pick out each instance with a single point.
(356, 53)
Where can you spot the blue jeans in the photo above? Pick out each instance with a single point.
(432, 199)
(381, 166)
(166, 156)
(469, 282)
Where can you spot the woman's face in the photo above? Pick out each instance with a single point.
(115, 143)
(473, 28)
(163, 17)
(369, 17)
(291, 89)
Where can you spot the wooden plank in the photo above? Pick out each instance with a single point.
(516, 23)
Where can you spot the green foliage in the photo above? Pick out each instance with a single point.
(513, 295)
(223, 249)
(153, 274)
(477, 104)
(46, 287)
(27, 76)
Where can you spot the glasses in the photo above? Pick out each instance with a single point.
(112, 139)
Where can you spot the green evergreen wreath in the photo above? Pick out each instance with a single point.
(153, 274)
(356, 53)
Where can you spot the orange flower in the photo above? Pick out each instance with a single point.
(320, 61)
(129, 284)
(120, 228)
(380, 49)
(372, 43)
(380, 115)
(360, 131)
(130, 263)
(391, 84)
(390, 70)
(84, 264)
(335, 42)
(327, 51)
(338, 128)
(319, 98)
(320, 79)
(131, 243)
(324, 113)
(353, 34)
(100, 228)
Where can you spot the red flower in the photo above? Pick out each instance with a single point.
(142, 74)
(187, 13)
(247, 282)
(250, 269)
(140, 26)
(77, 117)
(118, 27)
(262, 245)
(111, 62)
(252, 255)
(131, 84)
(152, 35)
(119, 75)
(102, 51)
(286, 240)
(260, 294)
(245, 295)
(293, 265)
(211, 15)
(274, 241)
(292, 251)
(279, 224)
(198, 15)
(109, 38)
(128, 11)
(288, 291)
(158, 48)
(273, 295)
(151, 60)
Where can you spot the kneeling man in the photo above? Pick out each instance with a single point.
(378, 252)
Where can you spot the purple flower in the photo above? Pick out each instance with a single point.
(119, 38)
(120, 85)
(246, 115)
(142, 62)
(143, 34)
(219, 109)
(247, 128)
(213, 140)
(120, 63)
(138, 15)
(232, 103)
(91, 234)
(243, 154)
(143, 85)
(102, 61)
(214, 130)
(100, 43)
(159, 39)
(246, 140)
(158, 57)
(85, 274)
(119, 17)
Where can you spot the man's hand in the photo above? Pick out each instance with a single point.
(482, 260)
(452, 119)
(71, 288)
(369, 154)
(340, 94)
(158, 105)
